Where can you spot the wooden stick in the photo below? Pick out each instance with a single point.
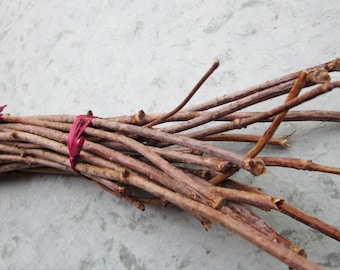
(294, 92)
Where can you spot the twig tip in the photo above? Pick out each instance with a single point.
(216, 63)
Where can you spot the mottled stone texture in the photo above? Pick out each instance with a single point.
(116, 57)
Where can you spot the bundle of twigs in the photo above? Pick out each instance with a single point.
(180, 167)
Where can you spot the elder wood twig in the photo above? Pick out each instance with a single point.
(261, 143)
(185, 169)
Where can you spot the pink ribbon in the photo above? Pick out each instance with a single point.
(1, 109)
(75, 141)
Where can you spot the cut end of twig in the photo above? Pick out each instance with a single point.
(216, 63)
(284, 139)
(278, 202)
(226, 166)
(217, 203)
(334, 65)
(284, 142)
(318, 76)
(255, 165)
(140, 117)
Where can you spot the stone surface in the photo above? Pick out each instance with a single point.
(116, 57)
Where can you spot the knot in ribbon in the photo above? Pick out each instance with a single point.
(75, 140)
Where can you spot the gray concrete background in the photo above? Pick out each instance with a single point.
(116, 57)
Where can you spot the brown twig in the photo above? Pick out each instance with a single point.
(245, 138)
(186, 100)
(294, 92)
(299, 164)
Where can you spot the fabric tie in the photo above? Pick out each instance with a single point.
(75, 140)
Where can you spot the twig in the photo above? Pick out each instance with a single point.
(186, 100)
(294, 92)
(299, 164)
(245, 138)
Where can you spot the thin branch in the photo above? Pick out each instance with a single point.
(299, 164)
(294, 92)
(186, 100)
